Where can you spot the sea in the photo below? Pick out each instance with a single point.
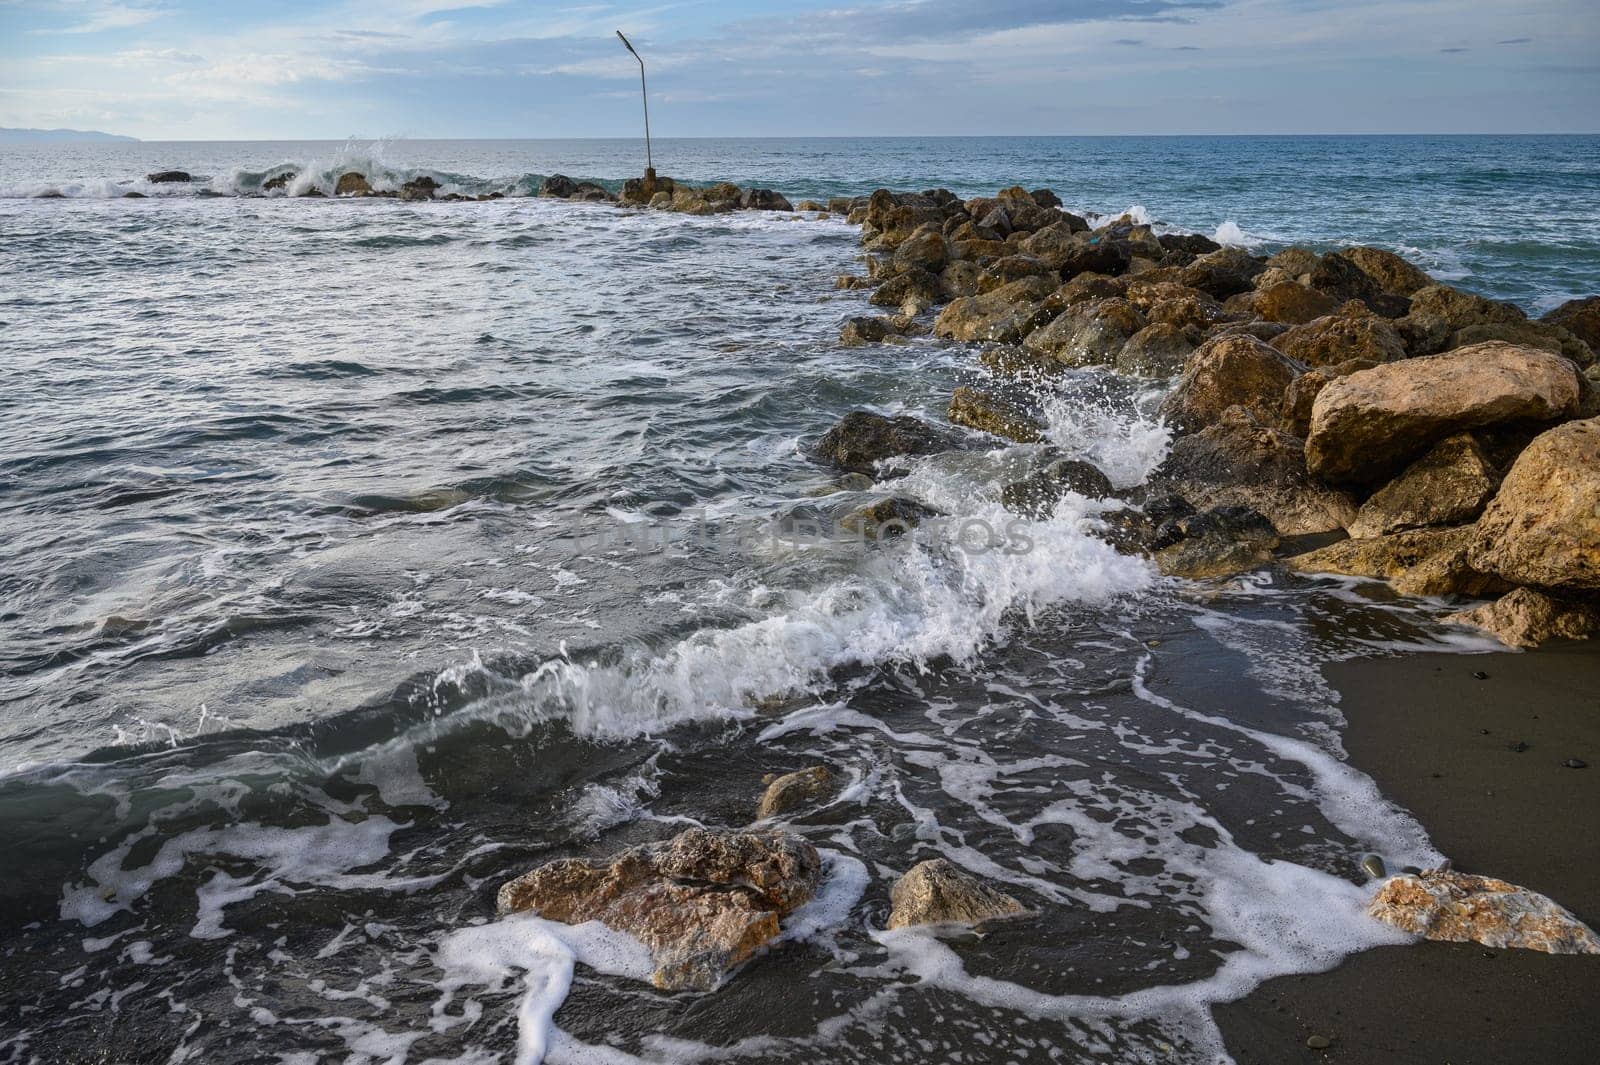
(359, 555)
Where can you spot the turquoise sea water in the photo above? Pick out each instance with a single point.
(312, 633)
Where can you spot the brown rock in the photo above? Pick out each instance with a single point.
(1228, 372)
(1036, 495)
(1337, 339)
(867, 329)
(913, 285)
(886, 519)
(352, 184)
(1366, 425)
(1223, 273)
(959, 279)
(862, 439)
(1388, 271)
(923, 250)
(1236, 461)
(939, 892)
(1543, 526)
(1457, 907)
(1579, 317)
(1089, 334)
(1450, 485)
(794, 790)
(1007, 314)
(1291, 302)
(1382, 557)
(1215, 543)
(993, 414)
(1299, 398)
(702, 902)
(1160, 349)
(1526, 618)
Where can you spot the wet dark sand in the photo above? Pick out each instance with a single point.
(1438, 740)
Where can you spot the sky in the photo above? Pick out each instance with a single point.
(291, 69)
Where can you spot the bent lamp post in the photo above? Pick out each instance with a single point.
(649, 162)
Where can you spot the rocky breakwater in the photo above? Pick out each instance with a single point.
(1451, 442)
(668, 194)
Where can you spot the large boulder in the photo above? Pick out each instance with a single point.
(1218, 542)
(352, 184)
(925, 249)
(1223, 273)
(1579, 317)
(1338, 339)
(862, 439)
(1036, 495)
(763, 200)
(1449, 485)
(993, 414)
(1236, 461)
(1006, 314)
(1089, 334)
(168, 177)
(1526, 618)
(1289, 302)
(1417, 562)
(701, 903)
(1160, 349)
(938, 891)
(1368, 424)
(914, 285)
(1457, 907)
(1543, 526)
(1388, 271)
(1230, 371)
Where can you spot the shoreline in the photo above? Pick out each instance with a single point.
(1435, 739)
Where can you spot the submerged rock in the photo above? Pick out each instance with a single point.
(861, 439)
(794, 790)
(1526, 618)
(887, 518)
(1368, 424)
(938, 891)
(281, 181)
(1450, 485)
(702, 903)
(168, 177)
(1457, 907)
(867, 329)
(1543, 526)
(1036, 495)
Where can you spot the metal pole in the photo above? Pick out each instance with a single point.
(649, 162)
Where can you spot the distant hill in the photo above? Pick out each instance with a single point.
(46, 136)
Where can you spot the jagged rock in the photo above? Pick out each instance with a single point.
(1289, 302)
(1036, 495)
(168, 177)
(1294, 263)
(1388, 271)
(1454, 907)
(1368, 424)
(1218, 542)
(1341, 279)
(281, 181)
(959, 279)
(862, 439)
(993, 414)
(1442, 318)
(1337, 339)
(887, 518)
(1237, 461)
(1299, 399)
(1088, 334)
(925, 249)
(1223, 273)
(1056, 244)
(938, 891)
(1579, 317)
(1543, 526)
(1160, 349)
(794, 790)
(1552, 338)
(915, 285)
(558, 185)
(1015, 361)
(763, 200)
(1526, 618)
(1387, 558)
(419, 188)
(1227, 372)
(1083, 288)
(1006, 314)
(867, 329)
(702, 903)
(1011, 268)
(352, 184)
(1449, 485)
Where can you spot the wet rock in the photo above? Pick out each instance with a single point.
(1455, 907)
(589, 192)
(1579, 317)
(862, 439)
(959, 279)
(419, 188)
(924, 250)
(279, 182)
(1543, 526)
(1195, 244)
(1238, 461)
(763, 200)
(1231, 371)
(134, 196)
(1387, 558)
(703, 902)
(940, 892)
(1527, 618)
(1088, 334)
(1368, 424)
(1036, 495)
(1449, 485)
(887, 518)
(1223, 273)
(558, 185)
(352, 184)
(1388, 271)
(1160, 349)
(1337, 339)
(867, 329)
(1218, 542)
(993, 414)
(916, 286)
(791, 791)
(1018, 363)
(168, 177)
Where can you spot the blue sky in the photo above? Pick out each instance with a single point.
(264, 69)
